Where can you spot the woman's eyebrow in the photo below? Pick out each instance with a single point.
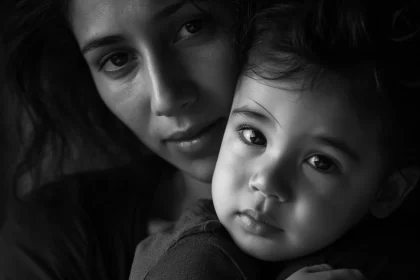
(95, 43)
(169, 10)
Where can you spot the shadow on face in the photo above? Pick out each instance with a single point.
(166, 69)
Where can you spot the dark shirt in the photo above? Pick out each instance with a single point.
(198, 247)
(88, 226)
(382, 249)
(84, 227)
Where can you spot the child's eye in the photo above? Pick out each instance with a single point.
(190, 29)
(252, 136)
(322, 163)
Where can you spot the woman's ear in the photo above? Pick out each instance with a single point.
(394, 191)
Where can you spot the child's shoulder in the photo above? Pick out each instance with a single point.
(205, 251)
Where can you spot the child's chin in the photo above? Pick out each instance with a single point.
(267, 255)
(264, 252)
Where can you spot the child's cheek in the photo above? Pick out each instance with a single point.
(229, 158)
(229, 176)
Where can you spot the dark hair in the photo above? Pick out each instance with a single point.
(376, 48)
(51, 79)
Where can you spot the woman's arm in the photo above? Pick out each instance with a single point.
(48, 242)
(86, 226)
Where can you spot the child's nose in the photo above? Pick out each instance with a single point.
(271, 181)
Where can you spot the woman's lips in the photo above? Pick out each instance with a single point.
(197, 141)
(188, 134)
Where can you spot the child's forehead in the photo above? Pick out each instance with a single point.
(357, 93)
(254, 85)
(329, 98)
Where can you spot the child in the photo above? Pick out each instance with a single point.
(320, 143)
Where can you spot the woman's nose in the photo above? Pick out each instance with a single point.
(171, 88)
(272, 180)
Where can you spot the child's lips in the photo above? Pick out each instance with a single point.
(258, 223)
(261, 217)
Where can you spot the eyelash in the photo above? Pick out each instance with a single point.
(239, 131)
(108, 57)
(205, 20)
(335, 166)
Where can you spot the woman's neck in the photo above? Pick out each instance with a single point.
(193, 189)
(176, 192)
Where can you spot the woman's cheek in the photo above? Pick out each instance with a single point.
(216, 68)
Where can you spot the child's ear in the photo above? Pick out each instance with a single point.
(394, 191)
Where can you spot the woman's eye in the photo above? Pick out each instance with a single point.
(322, 163)
(252, 137)
(116, 62)
(190, 29)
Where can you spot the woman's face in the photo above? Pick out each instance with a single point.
(167, 69)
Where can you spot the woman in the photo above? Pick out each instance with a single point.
(162, 72)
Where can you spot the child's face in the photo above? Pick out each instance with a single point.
(296, 168)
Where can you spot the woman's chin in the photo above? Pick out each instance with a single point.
(201, 169)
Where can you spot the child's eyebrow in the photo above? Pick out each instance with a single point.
(245, 110)
(339, 145)
(267, 112)
(248, 112)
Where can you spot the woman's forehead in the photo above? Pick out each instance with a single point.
(91, 7)
(89, 17)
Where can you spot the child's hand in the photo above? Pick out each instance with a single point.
(326, 272)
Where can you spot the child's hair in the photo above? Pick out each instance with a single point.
(376, 48)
